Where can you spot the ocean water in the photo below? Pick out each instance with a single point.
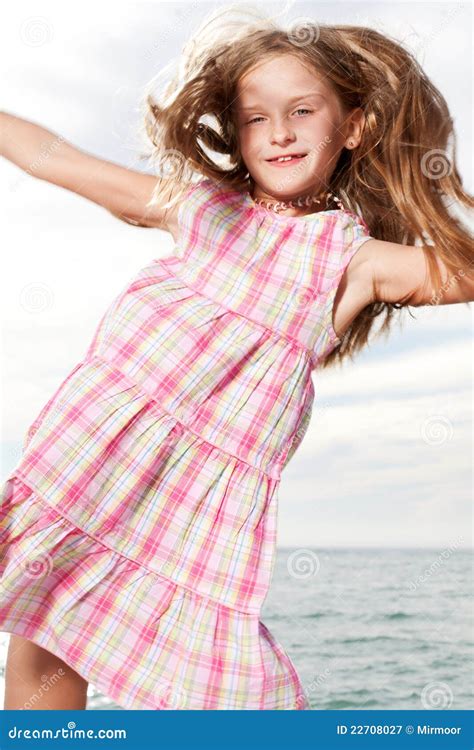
(376, 629)
(369, 628)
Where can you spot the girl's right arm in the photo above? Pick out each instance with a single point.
(48, 156)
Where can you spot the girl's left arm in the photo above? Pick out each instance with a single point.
(400, 274)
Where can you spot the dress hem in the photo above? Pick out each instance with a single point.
(18, 629)
(86, 674)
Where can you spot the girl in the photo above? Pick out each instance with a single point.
(138, 530)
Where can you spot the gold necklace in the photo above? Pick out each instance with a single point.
(278, 206)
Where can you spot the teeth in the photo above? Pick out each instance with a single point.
(287, 158)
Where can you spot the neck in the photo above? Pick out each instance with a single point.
(301, 205)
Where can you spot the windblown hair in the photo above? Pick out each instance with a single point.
(400, 177)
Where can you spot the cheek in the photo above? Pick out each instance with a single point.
(249, 144)
(325, 141)
(320, 125)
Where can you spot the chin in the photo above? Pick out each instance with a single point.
(292, 189)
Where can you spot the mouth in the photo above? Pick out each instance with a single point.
(288, 159)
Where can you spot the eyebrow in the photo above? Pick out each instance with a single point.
(306, 95)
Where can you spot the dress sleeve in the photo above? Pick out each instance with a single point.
(351, 235)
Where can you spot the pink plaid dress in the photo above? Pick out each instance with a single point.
(138, 530)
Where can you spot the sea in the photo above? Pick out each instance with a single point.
(368, 628)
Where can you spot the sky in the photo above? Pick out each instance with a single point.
(386, 461)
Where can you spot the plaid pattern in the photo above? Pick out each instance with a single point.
(141, 639)
(157, 461)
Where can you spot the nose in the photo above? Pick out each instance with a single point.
(282, 134)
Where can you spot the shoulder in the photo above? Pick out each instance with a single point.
(345, 239)
(349, 283)
(205, 192)
(208, 203)
(355, 230)
(206, 188)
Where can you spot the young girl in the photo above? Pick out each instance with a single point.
(138, 530)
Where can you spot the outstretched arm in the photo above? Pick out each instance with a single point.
(400, 274)
(48, 156)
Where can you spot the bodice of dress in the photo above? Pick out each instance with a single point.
(262, 286)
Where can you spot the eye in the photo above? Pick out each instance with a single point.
(301, 109)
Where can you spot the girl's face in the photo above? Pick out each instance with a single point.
(284, 108)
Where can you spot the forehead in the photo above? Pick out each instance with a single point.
(280, 76)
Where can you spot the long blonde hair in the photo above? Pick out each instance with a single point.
(399, 179)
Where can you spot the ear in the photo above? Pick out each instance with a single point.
(355, 124)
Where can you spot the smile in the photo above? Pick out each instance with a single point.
(282, 161)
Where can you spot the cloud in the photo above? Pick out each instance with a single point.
(364, 473)
(386, 459)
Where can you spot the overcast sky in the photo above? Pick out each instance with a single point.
(386, 460)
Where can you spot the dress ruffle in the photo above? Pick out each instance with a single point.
(141, 639)
(108, 457)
